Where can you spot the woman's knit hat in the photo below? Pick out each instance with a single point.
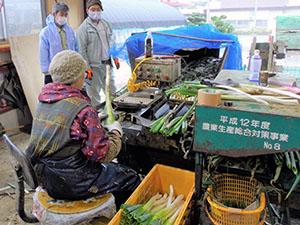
(67, 67)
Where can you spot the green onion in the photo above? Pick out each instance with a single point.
(288, 160)
(108, 106)
(294, 185)
(294, 168)
(178, 124)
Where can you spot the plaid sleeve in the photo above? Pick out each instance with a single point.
(87, 127)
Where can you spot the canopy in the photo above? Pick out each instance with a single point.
(141, 14)
(186, 37)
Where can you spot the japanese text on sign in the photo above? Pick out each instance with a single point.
(247, 128)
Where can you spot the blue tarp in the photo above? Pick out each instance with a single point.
(135, 45)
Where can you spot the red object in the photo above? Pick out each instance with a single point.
(270, 37)
(89, 74)
(117, 63)
(165, 77)
(86, 127)
(295, 90)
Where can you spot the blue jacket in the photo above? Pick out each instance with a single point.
(50, 42)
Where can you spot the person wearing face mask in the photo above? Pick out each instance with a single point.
(55, 37)
(95, 37)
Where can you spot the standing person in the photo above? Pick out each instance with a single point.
(55, 37)
(69, 149)
(94, 38)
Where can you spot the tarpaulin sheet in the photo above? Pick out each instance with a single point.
(135, 45)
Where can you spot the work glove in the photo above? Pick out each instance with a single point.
(102, 116)
(117, 63)
(114, 126)
(89, 76)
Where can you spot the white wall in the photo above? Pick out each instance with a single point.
(268, 15)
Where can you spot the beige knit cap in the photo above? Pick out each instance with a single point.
(67, 67)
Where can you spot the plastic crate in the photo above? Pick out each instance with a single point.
(158, 180)
(241, 190)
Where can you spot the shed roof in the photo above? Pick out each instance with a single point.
(143, 14)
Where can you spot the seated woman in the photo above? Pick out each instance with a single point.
(70, 150)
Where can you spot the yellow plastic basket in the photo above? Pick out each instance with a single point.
(158, 180)
(238, 189)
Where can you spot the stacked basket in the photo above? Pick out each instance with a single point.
(235, 200)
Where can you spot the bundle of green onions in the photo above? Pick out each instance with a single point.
(291, 160)
(168, 128)
(190, 89)
(159, 210)
(291, 164)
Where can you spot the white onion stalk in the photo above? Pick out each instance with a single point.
(286, 93)
(243, 93)
(271, 99)
(170, 195)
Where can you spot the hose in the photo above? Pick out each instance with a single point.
(132, 86)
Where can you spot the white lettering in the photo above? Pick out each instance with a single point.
(274, 136)
(224, 119)
(277, 146)
(267, 145)
(230, 130)
(247, 132)
(265, 125)
(233, 121)
(265, 134)
(214, 127)
(238, 130)
(256, 133)
(255, 123)
(245, 122)
(222, 129)
(205, 126)
(284, 137)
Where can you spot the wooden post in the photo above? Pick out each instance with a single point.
(253, 46)
(270, 58)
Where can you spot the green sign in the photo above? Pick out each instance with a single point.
(239, 133)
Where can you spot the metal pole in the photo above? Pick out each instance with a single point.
(208, 12)
(3, 21)
(43, 12)
(198, 185)
(255, 13)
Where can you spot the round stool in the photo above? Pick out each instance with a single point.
(60, 212)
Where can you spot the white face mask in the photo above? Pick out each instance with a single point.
(95, 15)
(62, 20)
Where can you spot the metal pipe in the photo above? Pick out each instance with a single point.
(255, 12)
(43, 12)
(3, 20)
(181, 36)
(208, 12)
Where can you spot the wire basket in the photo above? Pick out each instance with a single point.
(239, 193)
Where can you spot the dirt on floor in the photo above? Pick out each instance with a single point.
(8, 215)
